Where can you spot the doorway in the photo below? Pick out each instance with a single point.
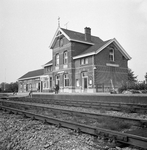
(57, 79)
(85, 83)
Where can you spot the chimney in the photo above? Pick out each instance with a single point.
(87, 34)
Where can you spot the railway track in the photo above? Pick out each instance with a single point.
(116, 106)
(74, 111)
(110, 135)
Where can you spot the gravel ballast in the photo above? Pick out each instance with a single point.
(18, 133)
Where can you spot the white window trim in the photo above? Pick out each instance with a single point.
(84, 61)
(57, 64)
(65, 57)
(67, 78)
(111, 54)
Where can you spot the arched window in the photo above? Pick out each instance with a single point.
(61, 42)
(57, 60)
(65, 57)
(57, 79)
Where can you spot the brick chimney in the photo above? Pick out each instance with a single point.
(87, 34)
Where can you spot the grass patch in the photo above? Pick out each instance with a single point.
(113, 123)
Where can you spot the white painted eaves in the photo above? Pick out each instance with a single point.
(121, 49)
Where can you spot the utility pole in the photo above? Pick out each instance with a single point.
(5, 81)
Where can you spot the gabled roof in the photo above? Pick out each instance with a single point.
(97, 48)
(97, 44)
(92, 50)
(77, 36)
(50, 63)
(71, 36)
(32, 74)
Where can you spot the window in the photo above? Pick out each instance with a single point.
(84, 61)
(77, 83)
(50, 82)
(84, 74)
(37, 84)
(51, 68)
(111, 54)
(57, 79)
(45, 83)
(46, 69)
(30, 86)
(66, 80)
(65, 57)
(61, 42)
(57, 60)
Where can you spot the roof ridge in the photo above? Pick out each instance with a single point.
(35, 70)
(29, 74)
(78, 32)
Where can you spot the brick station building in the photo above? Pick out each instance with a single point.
(80, 63)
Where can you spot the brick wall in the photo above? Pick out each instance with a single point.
(109, 75)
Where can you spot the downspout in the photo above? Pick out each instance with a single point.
(93, 72)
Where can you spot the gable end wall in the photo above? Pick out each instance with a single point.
(109, 75)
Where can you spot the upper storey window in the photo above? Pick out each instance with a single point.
(84, 61)
(57, 60)
(65, 57)
(48, 69)
(61, 42)
(111, 54)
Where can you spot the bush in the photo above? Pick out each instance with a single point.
(134, 88)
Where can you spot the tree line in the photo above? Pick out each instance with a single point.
(9, 87)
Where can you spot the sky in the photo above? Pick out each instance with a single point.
(27, 28)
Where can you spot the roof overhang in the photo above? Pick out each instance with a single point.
(124, 53)
(50, 64)
(55, 36)
(63, 33)
(29, 78)
(89, 43)
(127, 56)
(84, 55)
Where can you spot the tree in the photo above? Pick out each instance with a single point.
(13, 87)
(145, 78)
(131, 77)
(9, 87)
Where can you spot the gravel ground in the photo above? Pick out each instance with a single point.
(113, 113)
(100, 111)
(18, 133)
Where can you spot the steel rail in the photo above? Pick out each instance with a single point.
(142, 122)
(101, 103)
(129, 139)
(118, 106)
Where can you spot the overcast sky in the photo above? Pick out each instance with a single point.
(28, 26)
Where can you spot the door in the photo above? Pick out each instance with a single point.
(84, 83)
(26, 87)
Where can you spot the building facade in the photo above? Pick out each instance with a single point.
(83, 63)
